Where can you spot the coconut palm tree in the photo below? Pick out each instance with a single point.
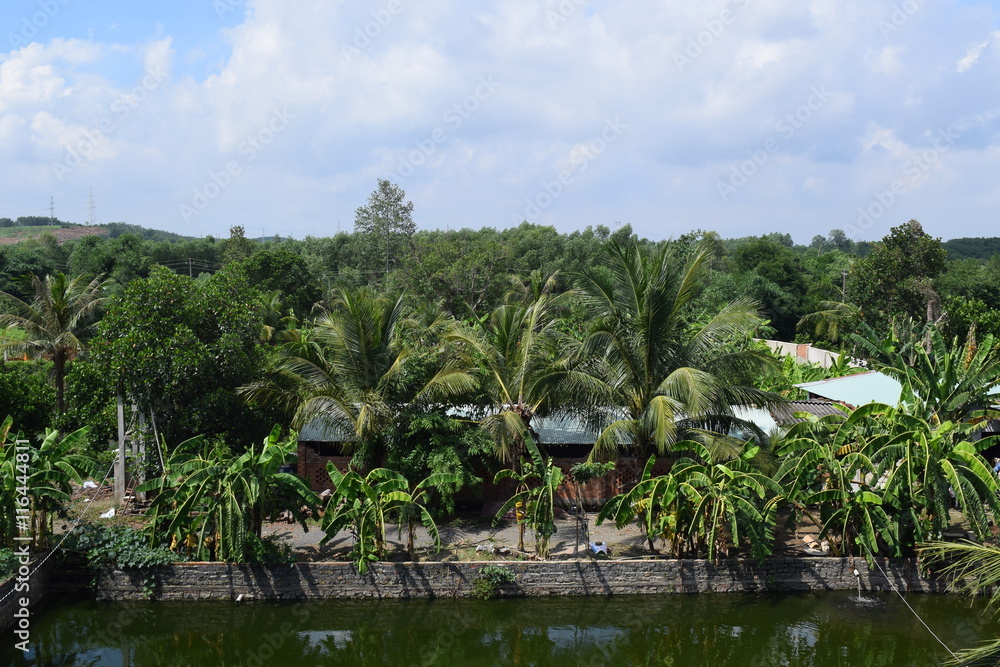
(660, 372)
(524, 361)
(54, 324)
(351, 372)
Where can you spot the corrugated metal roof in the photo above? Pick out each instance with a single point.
(784, 414)
(857, 389)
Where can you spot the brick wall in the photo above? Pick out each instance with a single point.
(312, 467)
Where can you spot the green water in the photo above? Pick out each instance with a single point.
(820, 629)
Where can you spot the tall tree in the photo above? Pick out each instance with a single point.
(656, 368)
(54, 324)
(178, 347)
(894, 279)
(237, 247)
(521, 364)
(349, 372)
(387, 221)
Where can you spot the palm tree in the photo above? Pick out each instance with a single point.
(351, 372)
(54, 324)
(659, 372)
(523, 363)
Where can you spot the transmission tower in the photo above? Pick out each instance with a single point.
(91, 209)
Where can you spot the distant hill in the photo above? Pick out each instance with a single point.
(116, 229)
(12, 235)
(969, 248)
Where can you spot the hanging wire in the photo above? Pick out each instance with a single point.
(76, 523)
(896, 591)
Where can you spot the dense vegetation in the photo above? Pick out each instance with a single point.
(378, 336)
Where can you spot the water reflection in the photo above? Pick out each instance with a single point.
(826, 629)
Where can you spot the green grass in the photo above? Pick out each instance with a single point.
(27, 232)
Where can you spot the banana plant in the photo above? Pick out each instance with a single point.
(364, 505)
(42, 475)
(220, 500)
(537, 482)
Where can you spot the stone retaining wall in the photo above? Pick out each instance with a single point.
(310, 581)
(12, 590)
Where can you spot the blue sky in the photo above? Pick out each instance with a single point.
(743, 117)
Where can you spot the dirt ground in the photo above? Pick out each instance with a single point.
(477, 539)
(471, 537)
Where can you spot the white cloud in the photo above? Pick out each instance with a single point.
(972, 55)
(366, 91)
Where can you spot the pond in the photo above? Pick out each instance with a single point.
(744, 630)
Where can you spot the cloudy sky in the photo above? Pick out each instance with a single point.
(743, 117)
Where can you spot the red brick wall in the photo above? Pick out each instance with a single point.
(596, 492)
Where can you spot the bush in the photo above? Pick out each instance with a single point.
(487, 585)
(8, 563)
(118, 546)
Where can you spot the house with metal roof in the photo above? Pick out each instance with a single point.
(855, 390)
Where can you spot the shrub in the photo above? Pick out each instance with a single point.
(487, 585)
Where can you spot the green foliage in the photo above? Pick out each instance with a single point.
(281, 269)
(648, 357)
(117, 546)
(90, 401)
(974, 248)
(54, 324)
(223, 499)
(35, 482)
(238, 247)
(534, 501)
(894, 280)
(883, 479)
(364, 505)
(486, 585)
(386, 224)
(523, 363)
(8, 563)
(180, 347)
(432, 443)
(27, 395)
(349, 371)
(702, 506)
